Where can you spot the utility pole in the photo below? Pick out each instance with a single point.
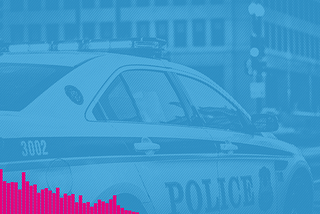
(257, 55)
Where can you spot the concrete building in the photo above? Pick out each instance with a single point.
(212, 36)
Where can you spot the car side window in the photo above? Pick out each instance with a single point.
(215, 109)
(155, 97)
(115, 104)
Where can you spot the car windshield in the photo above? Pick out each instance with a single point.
(20, 84)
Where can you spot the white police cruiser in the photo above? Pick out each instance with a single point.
(94, 120)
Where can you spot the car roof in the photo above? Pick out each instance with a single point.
(58, 58)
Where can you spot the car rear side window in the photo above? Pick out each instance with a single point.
(155, 97)
(216, 110)
(20, 84)
(115, 104)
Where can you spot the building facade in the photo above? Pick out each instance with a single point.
(212, 36)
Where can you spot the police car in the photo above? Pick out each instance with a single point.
(104, 118)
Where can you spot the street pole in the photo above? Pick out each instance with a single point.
(118, 17)
(78, 18)
(257, 50)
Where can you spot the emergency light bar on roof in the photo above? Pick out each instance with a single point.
(146, 47)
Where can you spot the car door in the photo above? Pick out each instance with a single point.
(177, 162)
(247, 178)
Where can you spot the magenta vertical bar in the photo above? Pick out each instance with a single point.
(42, 201)
(72, 203)
(12, 197)
(122, 211)
(103, 207)
(27, 197)
(99, 206)
(50, 202)
(38, 203)
(16, 196)
(35, 199)
(95, 208)
(8, 198)
(88, 207)
(76, 208)
(110, 206)
(129, 212)
(126, 212)
(69, 204)
(80, 204)
(1, 192)
(31, 200)
(107, 208)
(5, 197)
(19, 202)
(23, 193)
(53, 203)
(46, 201)
(114, 205)
(118, 209)
(84, 208)
(61, 205)
(91, 210)
(57, 200)
(4, 187)
(65, 201)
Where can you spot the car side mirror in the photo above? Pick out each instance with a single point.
(265, 122)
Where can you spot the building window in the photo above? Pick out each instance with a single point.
(143, 29)
(70, 31)
(217, 32)
(199, 32)
(34, 33)
(34, 5)
(267, 34)
(52, 4)
(106, 30)
(272, 36)
(16, 5)
(179, 2)
(106, 3)
(291, 41)
(70, 4)
(17, 33)
(52, 32)
(285, 39)
(180, 33)
(216, 1)
(317, 46)
(302, 44)
(88, 3)
(300, 91)
(88, 30)
(162, 29)
(124, 3)
(143, 3)
(125, 30)
(161, 2)
(307, 44)
(316, 94)
(296, 47)
(198, 2)
(279, 38)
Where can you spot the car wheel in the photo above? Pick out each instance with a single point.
(300, 196)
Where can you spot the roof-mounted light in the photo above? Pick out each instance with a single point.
(72, 46)
(120, 44)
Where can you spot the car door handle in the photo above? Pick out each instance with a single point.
(146, 146)
(228, 147)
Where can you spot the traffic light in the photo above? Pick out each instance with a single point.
(257, 48)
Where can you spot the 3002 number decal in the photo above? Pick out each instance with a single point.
(32, 148)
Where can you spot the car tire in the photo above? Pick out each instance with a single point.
(299, 198)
